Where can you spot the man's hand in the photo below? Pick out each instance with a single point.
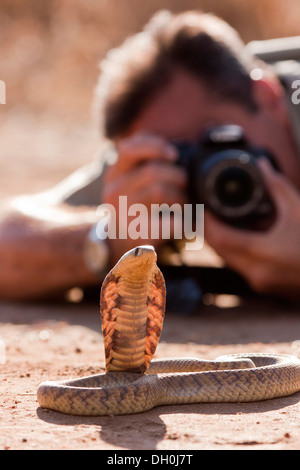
(145, 172)
(269, 261)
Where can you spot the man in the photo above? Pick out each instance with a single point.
(182, 74)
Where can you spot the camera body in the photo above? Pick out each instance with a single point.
(224, 176)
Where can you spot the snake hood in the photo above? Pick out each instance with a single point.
(132, 305)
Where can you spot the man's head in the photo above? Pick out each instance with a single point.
(186, 72)
(201, 44)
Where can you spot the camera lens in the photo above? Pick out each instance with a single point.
(234, 187)
(231, 184)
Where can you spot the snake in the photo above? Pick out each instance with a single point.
(132, 306)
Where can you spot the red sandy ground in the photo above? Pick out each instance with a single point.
(60, 341)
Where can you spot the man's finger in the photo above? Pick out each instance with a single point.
(225, 238)
(279, 187)
(143, 147)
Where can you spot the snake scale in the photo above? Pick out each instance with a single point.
(132, 304)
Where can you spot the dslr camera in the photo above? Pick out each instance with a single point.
(224, 176)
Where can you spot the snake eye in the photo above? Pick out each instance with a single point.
(136, 251)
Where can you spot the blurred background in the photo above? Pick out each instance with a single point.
(49, 56)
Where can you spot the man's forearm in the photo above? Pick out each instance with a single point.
(39, 257)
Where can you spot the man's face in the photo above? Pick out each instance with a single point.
(185, 108)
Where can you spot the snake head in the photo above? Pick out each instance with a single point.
(142, 250)
(137, 262)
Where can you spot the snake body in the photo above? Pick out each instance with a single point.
(132, 305)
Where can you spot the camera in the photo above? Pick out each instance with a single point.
(224, 176)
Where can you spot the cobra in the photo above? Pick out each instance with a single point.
(132, 305)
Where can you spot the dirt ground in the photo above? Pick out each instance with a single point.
(63, 340)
